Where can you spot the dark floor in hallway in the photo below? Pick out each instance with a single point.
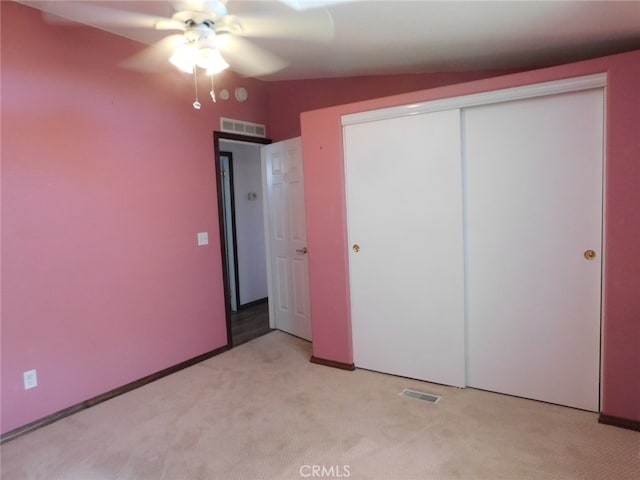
(249, 323)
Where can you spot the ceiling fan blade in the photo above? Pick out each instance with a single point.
(215, 7)
(309, 25)
(94, 15)
(246, 58)
(156, 57)
(170, 24)
(307, 4)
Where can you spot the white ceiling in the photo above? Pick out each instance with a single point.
(385, 36)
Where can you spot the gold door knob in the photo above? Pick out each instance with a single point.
(356, 247)
(302, 251)
(589, 254)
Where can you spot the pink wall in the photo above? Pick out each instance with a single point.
(326, 220)
(107, 176)
(287, 99)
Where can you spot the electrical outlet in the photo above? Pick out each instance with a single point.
(203, 238)
(30, 379)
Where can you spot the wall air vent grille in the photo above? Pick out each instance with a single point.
(242, 128)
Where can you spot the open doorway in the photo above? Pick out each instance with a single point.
(241, 219)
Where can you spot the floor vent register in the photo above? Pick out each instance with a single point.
(427, 397)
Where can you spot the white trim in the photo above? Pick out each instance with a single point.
(575, 84)
(603, 242)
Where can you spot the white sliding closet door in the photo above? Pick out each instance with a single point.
(404, 205)
(534, 207)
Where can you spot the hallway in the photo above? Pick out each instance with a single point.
(249, 323)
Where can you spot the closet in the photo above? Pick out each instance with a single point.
(475, 234)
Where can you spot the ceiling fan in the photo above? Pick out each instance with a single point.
(211, 36)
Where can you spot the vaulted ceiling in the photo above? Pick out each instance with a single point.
(385, 37)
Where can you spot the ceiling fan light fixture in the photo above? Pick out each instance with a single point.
(211, 60)
(185, 57)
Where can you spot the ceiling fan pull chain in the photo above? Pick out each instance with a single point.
(196, 104)
(212, 92)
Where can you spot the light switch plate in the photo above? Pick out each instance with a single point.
(30, 379)
(203, 238)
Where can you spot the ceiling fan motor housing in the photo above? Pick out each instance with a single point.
(196, 32)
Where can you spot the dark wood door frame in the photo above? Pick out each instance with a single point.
(217, 136)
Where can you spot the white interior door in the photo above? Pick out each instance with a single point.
(534, 206)
(287, 238)
(404, 206)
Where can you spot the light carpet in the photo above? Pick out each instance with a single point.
(262, 411)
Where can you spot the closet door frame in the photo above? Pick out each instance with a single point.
(575, 84)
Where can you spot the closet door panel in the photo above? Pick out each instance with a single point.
(404, 202)
(533, 174)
